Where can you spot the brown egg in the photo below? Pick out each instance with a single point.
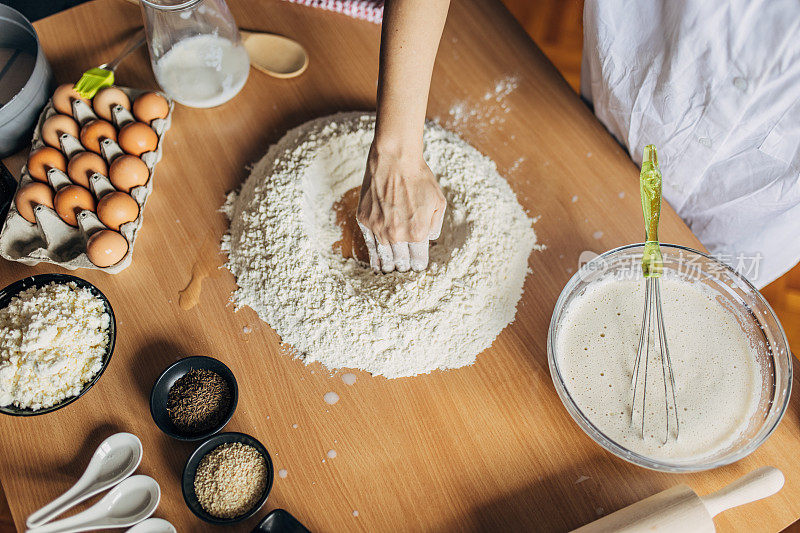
(94, 131)
(31, 195)
(71, 200)
(117, 208)
(63, 97)
(128, 171)
(137, 138)
(149, 107)
(42, 160)
(83, 165)
(106, 248)
(55, 126)
(105, 100)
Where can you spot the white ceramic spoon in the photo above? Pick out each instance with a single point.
(153, 525)
(130, 502)
(116, 458)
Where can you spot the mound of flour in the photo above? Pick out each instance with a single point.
(339, 312)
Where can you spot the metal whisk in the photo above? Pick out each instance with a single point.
(652, 267)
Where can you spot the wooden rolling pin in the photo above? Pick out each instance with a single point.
(680, 509)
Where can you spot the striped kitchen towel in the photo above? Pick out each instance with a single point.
(371, 10)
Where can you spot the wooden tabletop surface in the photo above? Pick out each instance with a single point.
(489, 447)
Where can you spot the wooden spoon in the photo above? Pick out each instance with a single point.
(275, 55)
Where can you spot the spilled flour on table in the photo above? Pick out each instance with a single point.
(479, 115)
(336, 311)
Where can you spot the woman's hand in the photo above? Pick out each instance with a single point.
(401, 209)
(401, 204)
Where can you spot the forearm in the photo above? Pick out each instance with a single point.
(409, 41)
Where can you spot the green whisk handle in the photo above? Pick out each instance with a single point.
(650, 190)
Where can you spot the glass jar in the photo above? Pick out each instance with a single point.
(195, 49)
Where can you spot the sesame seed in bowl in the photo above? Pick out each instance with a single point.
(228, 478)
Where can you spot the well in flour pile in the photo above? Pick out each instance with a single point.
(336, 311)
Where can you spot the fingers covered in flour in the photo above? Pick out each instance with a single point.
(386, 257)
(402, 260)
(418, 255)
(369, 240)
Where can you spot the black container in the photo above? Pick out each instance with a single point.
(280, 521)
(190, 470)
(158, 396)
(8, 186)
(41, 280)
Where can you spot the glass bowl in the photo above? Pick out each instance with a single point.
(733, 291)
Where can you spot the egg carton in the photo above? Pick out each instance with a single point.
(50, 239)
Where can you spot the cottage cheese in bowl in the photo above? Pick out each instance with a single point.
(53, 341)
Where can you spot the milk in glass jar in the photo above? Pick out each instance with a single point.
(195, 49)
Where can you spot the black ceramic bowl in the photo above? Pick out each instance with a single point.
(158, 396)
(39, 281)
(190, 470)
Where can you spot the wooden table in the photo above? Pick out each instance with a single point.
(488, 447)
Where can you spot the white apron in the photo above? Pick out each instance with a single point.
(715, 85)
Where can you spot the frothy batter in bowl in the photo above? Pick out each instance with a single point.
(718, 378)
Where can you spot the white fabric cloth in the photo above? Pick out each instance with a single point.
(715, 85)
